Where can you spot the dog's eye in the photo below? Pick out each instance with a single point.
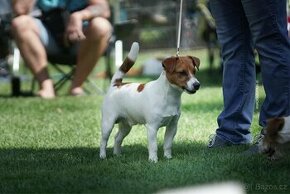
(182, 73)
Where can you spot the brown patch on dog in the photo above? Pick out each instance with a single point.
(169, 64)
(118, 83)
(127, 64)
(141, 87)
(195, 61)
(179, 69)
(274, 125)
(270, 140)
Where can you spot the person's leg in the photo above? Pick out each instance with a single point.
(238, 72)
(267, 19)
(26, 33)
(90, 50)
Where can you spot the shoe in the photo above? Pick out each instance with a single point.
(254, 149)
(215, 141)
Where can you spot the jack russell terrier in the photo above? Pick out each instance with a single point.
(155, 104)
(277, 137)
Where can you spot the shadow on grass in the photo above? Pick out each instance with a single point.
(79, 170)
(74, 170)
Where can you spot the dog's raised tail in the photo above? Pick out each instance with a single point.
(127, 64)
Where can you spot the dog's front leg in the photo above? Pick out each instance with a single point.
(277, 153)
(152, 142)
(171, 129)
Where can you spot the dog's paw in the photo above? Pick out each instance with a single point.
(276, 156)
(153, 159)
(103, 155)
(168, 156)
(118, 154)
(117, 151)
(273, 158)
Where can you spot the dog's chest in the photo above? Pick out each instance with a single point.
(167, 119)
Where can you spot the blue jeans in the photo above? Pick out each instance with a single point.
(242, 26)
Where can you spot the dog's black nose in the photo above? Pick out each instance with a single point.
(196, 85)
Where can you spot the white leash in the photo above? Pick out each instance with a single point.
(179, 28)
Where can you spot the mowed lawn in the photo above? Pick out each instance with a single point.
(52, 146)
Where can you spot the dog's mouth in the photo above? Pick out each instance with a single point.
(270, 151)
(189, 91)
(191, 87)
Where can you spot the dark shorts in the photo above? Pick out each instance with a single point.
(49, 41)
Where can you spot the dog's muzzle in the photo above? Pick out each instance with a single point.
(192, 88)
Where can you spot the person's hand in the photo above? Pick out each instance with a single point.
(74, 31)
(23, 7)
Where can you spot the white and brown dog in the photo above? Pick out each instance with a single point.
(276, 137)
(155, 104)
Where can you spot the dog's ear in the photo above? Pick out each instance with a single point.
(274, 125)
(169, 64)
(195, 61)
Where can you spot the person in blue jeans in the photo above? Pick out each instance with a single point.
(242, 26)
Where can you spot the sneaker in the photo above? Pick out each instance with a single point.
(254, 149)
(215, 141)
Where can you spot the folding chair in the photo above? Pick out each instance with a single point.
(8, 51)
(5, 43)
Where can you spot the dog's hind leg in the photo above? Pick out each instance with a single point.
(107, 127)
(124, 130)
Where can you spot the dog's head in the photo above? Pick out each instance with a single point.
(272, 137)
(180, 71)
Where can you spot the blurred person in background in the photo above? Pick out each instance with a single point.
(80, 27)
(208, 30)
(243, 26)
(5, 18)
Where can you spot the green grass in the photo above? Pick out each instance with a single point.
(52, 146)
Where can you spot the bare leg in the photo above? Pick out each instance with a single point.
(91, 49)
(26, 34)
